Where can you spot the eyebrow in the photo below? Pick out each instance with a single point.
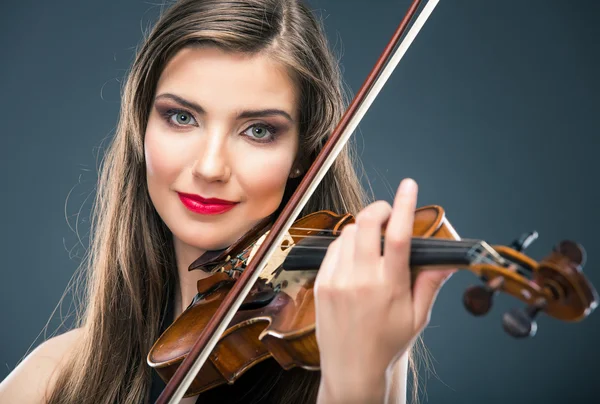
(242, 115)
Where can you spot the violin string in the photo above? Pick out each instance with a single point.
(413, 249)
(311, 229)
(331, 231)
(419, 246)
(466, 241)
(415, 240)
(318, 230)
(431, 245)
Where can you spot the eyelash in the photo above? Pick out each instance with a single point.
(167, 115)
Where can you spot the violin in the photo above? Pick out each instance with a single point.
(277, 318)
(258, 302)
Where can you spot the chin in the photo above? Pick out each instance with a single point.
(210, 245)
(208, 238)
(203, 243)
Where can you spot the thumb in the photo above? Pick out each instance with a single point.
(425, 289)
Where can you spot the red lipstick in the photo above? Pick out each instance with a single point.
(205, 206)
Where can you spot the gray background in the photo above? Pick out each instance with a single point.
(494, 111)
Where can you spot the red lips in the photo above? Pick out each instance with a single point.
(205, 206)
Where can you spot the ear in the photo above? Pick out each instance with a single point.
(300, 165)
(296, 172)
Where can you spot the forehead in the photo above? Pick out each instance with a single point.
(221, 80)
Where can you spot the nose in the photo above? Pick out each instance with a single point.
(212, 163)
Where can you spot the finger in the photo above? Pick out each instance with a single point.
(398, 235)
(426, 288)
(367, 248)
(344, 271)
(329, 263)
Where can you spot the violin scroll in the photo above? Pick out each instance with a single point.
(556, 285)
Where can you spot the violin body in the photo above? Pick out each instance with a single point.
(277, 318)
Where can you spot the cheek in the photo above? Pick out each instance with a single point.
(162, 162)
(263, 177)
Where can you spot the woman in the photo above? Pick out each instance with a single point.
(224, 108)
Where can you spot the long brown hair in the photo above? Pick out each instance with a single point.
(130, 267)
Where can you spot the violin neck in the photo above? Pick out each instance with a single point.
(434, 252)
(308, 253)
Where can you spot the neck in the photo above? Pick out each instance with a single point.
(187, 287)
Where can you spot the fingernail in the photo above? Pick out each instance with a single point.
(407, 186)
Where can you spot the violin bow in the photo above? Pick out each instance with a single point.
(208, 339)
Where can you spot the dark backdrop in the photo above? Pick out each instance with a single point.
(494, 111)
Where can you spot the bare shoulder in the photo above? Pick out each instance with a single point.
(29, 381)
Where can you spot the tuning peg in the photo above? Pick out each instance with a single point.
(524, 241)
(478, 299)
(520, 323)
(573, 251)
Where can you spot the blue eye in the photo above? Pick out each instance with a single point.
(262, 133)
(182, 118)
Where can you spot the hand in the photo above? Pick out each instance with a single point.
(367, 315)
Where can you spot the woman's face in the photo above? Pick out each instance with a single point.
(220, 144)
